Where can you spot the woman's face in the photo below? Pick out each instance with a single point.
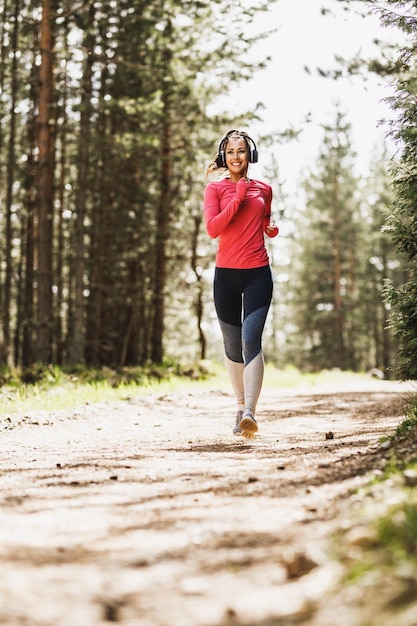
(237, 160)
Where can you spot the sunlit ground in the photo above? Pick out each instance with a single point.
(66, 392)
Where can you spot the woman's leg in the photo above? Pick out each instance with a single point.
(247, 294)
(253, 376)
(235, 372)
(228, 303)
(256, 302)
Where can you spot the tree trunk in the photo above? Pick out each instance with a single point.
(161, 260)
(61, 259)
(26, 316)
(199, 299)
(76, 348)
(7, 356)
(387, 356)
(163, 212)
(45, 190)
(339, 353)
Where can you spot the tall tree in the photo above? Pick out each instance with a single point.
(45, 185)
(402, 222)
(76, 347)
(325, 287)
(99, 237)
(381, 262)
(398, 62)
(11, 159)
(165, 197)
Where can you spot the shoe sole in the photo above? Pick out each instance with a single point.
(249, 427)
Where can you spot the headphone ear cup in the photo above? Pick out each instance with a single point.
(253, 156)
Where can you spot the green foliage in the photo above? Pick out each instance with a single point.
(340, 258)
(400, 63)
(397, 529)
(388, 560)
(402, 221)
(384, 553)
(130, 133)
(48, 376)
(403, 323)
(406, 427)
(397, 532)
(54, 388)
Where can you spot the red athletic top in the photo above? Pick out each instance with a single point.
(239, 224)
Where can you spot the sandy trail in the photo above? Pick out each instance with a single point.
(150, 512)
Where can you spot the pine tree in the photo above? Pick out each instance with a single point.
(326, 258)
(381, 262)
(103, 139)
(399, 63)
(402, 222)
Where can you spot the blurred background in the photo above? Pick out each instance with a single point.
(110, 113)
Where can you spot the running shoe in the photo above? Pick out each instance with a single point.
(248, 425)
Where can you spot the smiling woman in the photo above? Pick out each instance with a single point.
(237, 210)
(236, 159)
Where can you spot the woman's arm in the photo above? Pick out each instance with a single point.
(216, 220)
(270, 228)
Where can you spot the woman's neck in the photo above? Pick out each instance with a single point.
(235, 178)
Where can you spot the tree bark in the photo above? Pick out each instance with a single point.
(76, 348)
(45, 190)
(199, 297)
(163, 214)
(7, 356)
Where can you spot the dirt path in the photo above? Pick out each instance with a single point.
(149, 512)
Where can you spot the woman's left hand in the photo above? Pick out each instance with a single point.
(272, 229)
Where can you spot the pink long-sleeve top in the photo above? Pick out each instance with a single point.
(240, 225)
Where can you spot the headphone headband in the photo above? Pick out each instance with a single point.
(251, 145)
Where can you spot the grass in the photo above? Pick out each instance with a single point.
(292, 378)
(397, 531)
(405, 439)
(51, 388)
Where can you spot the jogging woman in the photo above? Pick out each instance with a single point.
(237, 211)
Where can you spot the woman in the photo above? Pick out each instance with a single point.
(237, 210)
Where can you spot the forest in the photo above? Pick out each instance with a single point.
(106, 129)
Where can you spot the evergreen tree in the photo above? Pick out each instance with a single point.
(326, 259)
(381, 262)
(108, 103)
(402, 222)
(399, 64)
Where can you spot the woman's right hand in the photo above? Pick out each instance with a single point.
(242, 187)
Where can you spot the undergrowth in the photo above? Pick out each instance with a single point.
(50, 387)
(53, 388)
(388, 555)
(52, 375)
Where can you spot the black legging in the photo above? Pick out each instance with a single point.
(242, 299)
